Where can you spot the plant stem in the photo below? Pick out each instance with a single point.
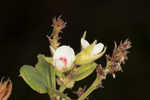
(62, 88)
(53, 78)
(51, 97)
(90, 89)
(53, 94)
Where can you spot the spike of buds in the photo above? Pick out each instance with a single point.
(119, 56)
(58, 25)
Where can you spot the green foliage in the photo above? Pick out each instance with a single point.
(47, 70)
(41, 77)
(83, 71)
(34, 79)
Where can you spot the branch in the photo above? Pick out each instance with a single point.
(113, 65)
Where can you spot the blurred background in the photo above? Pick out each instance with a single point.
(24, 25)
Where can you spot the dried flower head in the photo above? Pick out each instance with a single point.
(58, 25)
(5, 89)
(100, 71)
(80, 91)
(119, 56)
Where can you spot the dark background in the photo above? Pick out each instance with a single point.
(24, 25)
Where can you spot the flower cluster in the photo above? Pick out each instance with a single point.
(64, 56)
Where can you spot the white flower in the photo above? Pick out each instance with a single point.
(96, 49)
(89, 52)
(63, 57)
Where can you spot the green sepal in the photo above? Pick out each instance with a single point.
(84, 57)
(49, 59)
(34, 79)
(58, 73)
(83, 71)
(52, 50)
(65, 82)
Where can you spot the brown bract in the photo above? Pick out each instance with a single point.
(113, 63)
(80, 91)
(5, 89)
(100, 71)
(59, 23)
(119, 56)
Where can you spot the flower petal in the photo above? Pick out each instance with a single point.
(59, 64)
(65, 52)
(97, 49)
(84, 43)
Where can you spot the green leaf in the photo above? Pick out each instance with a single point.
(83, 71)
(41, 77)
(47, 70)
(52, 73)
(52, 91)
(34, 78)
